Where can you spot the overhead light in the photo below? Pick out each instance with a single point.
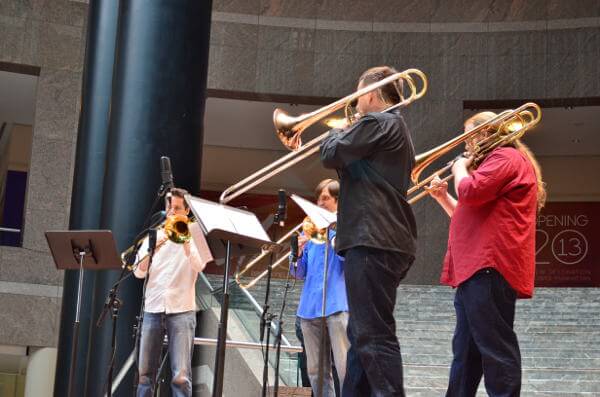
(339, 122)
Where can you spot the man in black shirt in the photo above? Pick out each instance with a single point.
(376, 233)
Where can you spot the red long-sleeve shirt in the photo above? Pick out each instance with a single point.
(493, 224)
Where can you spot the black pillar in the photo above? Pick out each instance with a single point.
(157, 108)
(90, 161)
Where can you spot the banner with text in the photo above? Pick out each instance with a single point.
(567, 248)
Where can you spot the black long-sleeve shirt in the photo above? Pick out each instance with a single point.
(374, 158)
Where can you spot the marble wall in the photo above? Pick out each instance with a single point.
(470, 50)
(48, 34)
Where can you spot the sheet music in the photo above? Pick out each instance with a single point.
(246, 223)
(201, 244)
(319, 216)
(215, 216)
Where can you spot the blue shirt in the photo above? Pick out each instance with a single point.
(310, 268)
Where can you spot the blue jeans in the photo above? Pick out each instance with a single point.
(180, 329)
(484, 341)
(336, 341)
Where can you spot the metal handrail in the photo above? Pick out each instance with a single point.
(231, 344)
(257, 307)
(9, 230)
(259, 310)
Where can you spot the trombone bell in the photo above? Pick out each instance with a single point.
(289, 128)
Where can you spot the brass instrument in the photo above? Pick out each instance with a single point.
(309, 229)
(506, 127)
(263, 255)
(289, 129)
(176, 228)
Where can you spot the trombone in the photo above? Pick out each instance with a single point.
(264, 254)
(309, 229)
(507, 126)
(176, 228)
(289, 129)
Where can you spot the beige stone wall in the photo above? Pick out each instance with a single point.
(48, 34)
(471, 50)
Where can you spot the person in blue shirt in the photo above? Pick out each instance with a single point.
(310, 267)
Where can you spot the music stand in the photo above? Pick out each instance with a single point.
(79, 250)
(240, 232)
(322, 219)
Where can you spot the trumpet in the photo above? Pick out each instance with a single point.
(506, 127)
(289, 129)
(176, 228)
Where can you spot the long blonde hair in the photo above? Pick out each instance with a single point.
(481, 118)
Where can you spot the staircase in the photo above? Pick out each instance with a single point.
(558, 330)
(558, 333)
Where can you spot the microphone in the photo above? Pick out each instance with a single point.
(151, 240)
(157, 218)
(165, 172)
(294, 249)
(281, 208)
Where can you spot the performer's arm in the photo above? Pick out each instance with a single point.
(299, 271)
(439, 191)
(486, 182)
(344, 146)
(191, 252)
(142, 267)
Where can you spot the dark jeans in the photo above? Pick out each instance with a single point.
(484, 341)
(374, 365)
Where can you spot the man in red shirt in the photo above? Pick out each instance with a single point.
(490, 261)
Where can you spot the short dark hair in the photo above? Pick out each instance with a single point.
(390, 93)
(331, 185)
(178, 192)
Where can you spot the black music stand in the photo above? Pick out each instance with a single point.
(79, 250)
(229, 231)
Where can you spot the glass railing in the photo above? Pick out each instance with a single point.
(246, 307)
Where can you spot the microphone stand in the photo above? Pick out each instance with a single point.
(280, 329)
(113, 303)
(267, 318)
(323, 318)
(265, 325)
